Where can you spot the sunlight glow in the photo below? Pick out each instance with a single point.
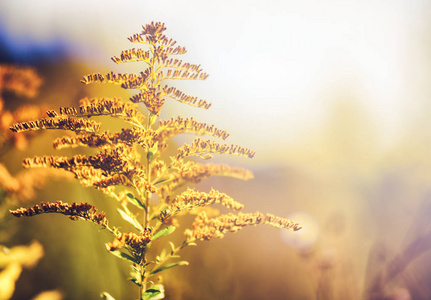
(305, 238)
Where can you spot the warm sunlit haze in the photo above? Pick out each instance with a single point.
(334, 97)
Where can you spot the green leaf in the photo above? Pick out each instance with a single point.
(179, 263)
(172, 247)
(153, 118)
(163, 181)
(154, 292)
(122, 255)
(148, 263)
(106, 296)
(135, 276)
(163, 253)
(153, 150)
(164, 231)
(185, 243)
(129, 219)
(135, 201)
(135, 281)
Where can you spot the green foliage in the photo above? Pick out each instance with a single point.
(135, 276)
(152, 151)
(163, 232)
(106, 296)
(154, 292)
(122, 255)
(127, 216)
(180, 263)
(135, 201)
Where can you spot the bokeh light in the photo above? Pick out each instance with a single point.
(304, 239)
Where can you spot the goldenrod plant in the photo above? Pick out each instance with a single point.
(22, 82)
(130, 165)
(12, 261)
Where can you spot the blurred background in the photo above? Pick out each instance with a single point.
(333, 96)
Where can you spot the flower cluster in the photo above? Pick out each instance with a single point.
(180, 96)
(202, 148)
(21, 80)
(194, 172)
(205, 228)
(104, 106)
(191, 199)
(75, 211)
(134, 241)
(179, 125)
(148, 82)
(23, 185)
(60, 122)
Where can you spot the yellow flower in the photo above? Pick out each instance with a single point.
(201, 148)
(191, 199)
(172, 127)
(204, 228)
(75, 211)
(60, 122)
(136, 242)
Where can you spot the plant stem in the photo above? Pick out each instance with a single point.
(147, 193)
(143, 281)
(146, 223)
